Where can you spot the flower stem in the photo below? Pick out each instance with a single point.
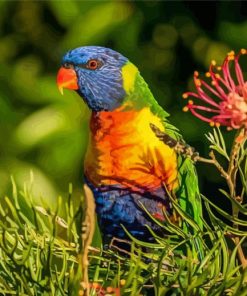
(231, 182)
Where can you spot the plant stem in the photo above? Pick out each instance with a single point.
(232, 172)
(230, 177)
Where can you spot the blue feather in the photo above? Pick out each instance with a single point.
(116, 206)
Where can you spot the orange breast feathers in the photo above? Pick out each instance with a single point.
(123, 150)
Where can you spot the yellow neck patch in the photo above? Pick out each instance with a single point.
(129, 72)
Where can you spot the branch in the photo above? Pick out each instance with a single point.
(178, 145)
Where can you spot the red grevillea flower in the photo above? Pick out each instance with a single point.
(224, 102)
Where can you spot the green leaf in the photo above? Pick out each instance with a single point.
(217, 142)
(225, 214)
(240, 207)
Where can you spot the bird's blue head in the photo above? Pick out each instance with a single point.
(100, 75)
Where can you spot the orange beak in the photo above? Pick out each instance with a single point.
(66, 78)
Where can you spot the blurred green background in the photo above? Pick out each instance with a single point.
(47, 133)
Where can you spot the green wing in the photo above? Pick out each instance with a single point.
(188, 193)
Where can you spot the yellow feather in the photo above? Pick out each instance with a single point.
(129, 72)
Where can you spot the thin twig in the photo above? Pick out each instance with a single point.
(214, 161)
(119, 240)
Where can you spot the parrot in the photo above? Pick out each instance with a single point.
(131, 172)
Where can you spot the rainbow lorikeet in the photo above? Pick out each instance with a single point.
(126, 165)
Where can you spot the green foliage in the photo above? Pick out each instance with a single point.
(217, 142)
(40, 251)
(38, 248)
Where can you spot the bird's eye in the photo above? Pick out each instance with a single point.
(68, 65)
(93, 64)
